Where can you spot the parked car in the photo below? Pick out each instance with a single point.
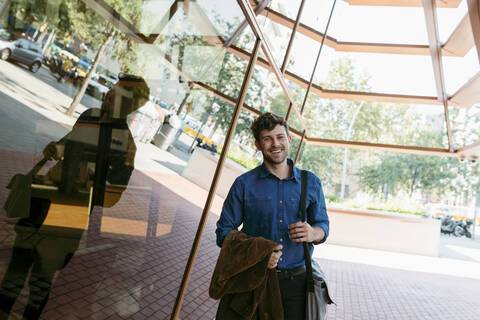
(24, 51)
(99, 85)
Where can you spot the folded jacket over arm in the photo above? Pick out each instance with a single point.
(242, 280)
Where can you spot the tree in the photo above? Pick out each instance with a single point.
(98, 32)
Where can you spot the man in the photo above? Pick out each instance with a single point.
(266, 200)
(98, 154)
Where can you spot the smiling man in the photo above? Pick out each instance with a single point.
(266, 200)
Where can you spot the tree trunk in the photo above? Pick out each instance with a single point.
(83, 88)
(184, 101)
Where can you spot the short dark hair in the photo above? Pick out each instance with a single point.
(267, 121)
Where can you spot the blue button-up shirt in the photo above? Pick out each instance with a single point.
(267, 205)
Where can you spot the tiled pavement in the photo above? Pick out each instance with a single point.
(132, 268)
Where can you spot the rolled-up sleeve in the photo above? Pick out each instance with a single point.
(232, 212)
(317, 210)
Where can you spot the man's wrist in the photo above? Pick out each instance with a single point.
(319, 235)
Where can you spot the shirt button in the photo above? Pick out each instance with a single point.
(281, 239)
(281, 259)
(280, 201)
(281, 220)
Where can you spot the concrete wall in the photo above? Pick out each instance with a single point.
(201, 168)
(384, 231)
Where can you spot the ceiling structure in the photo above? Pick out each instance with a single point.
(463, 38)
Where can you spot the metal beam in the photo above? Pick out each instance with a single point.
(216, 177)
(299, 147)
(252, 21)
(403, 3)
(470, 152)
(474, 15)
(292, 36)
(318, 57)
(430, 11)
(244, 24)
(381, 147)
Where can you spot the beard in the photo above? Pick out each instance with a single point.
(270, 160)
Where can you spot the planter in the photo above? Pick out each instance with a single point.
(201, 169)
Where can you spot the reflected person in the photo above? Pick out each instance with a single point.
(94, 164)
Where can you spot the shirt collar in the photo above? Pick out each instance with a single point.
(264, 172)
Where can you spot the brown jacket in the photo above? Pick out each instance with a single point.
(243, 282)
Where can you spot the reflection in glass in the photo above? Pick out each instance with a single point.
(94, 163)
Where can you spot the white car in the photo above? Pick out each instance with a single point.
(99, 85)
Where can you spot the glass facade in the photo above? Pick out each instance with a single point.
(114, 115)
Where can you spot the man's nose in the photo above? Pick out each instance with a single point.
(276, 142)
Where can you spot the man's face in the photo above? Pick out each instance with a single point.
(274, 144)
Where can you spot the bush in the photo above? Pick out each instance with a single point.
(239, 156)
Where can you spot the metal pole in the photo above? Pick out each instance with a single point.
(318, 56)
(288, 111)
(345, 153)
(216, 177)
(244, 24)
(300, 147)
(292, 36)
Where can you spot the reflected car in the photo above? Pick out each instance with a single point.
(99, 85)
(23, 51)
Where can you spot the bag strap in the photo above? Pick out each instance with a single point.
(306, 250)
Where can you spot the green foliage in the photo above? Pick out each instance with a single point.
(239, 156)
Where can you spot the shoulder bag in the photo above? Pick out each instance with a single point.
(317, 290)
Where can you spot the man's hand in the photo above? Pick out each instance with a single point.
(50, 151)
(303, 232)
(276, 254)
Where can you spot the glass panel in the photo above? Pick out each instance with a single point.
(459, 70)
(384, 73)
(288, 8)
(114, 212)
(361, 23)
(449, 18)
(391, 182)
(464, 123)
(277, 37)
(265, 93)
(226, 16)
(376, 122)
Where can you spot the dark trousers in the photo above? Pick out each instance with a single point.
(293, 291)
